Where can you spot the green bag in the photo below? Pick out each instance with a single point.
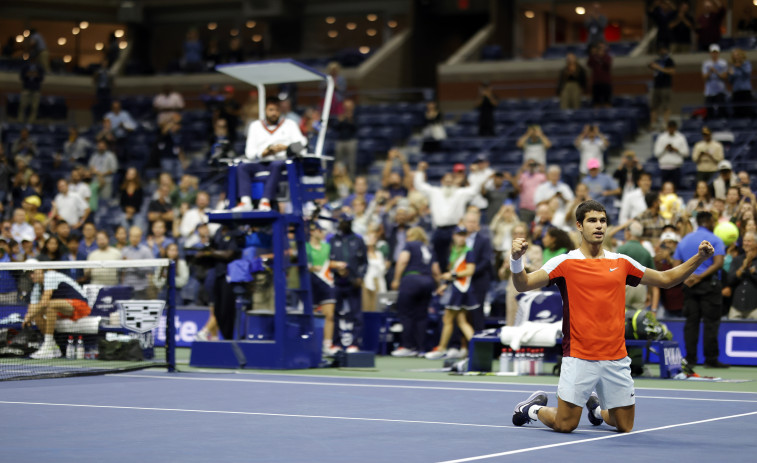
(120, 350)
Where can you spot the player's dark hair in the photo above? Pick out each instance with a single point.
(588, 206)
(651, 197)
(703, 217)
(272, 100)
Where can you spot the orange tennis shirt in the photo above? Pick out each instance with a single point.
(594, 302)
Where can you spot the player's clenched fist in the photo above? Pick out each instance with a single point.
(519, 248)
(706, 249)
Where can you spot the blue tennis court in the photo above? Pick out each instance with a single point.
(197, 417)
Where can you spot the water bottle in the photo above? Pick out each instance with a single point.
(70, 349)
(80, 349)
(540, 362)
(506, 361)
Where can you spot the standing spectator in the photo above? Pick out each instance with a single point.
(600, 63)
(157, 240)
(628, 173)
(447, 203)
(167, 104)
(346, 138)
(555, 189)
(138, 277)
(169, 148)
(416, 276)
(595, 24)
(501, 228)
(592, 144)
(663, 12)
(708, 24)
(318, 251)
(103, 83)
(360, 191)
(32, 75)
(482, 253)
(69, 206)
(602, 187)
(740, 76)
(496, 190)
(671, 298)
(715, 75)
(340, 88)
(707, 153)
(375, 275)
(88, 241)
(76, 148)
(38, 50)
(192, 58)
(681, 27)
(636, 297)
(196, 216)
(651, 219)
(487, 101)
(725, 180)
(349, 262)
(104, 251)
(161, 208)
(103, 165)
(529, 177)
(534, 144)
(572, 83)
(122, 125)
(433, 128)
(670, 149)
(702, 292)
(663, 70)
(742, 278)
(391, 181)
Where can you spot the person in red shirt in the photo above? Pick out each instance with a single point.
(592, 283)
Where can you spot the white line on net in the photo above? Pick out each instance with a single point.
(136, 263)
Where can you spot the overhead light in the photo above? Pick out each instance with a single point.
(61, 41)
(580, 10)
(371, 17)
(19, 38)
(333, 34)
(391, 23)
(250, 24)
(371, 32)
(529, 14)
(212, 26)
(119, 33)
(351, 26)
(75, 30)
(123, 44)
(25, 56)
(257, 38)
(99, 46)
(234, 32)
(330, 20)
(67, 59)
(27, 32)
(364, 50)
(83, 25)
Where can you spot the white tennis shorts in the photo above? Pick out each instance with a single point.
(610, 378)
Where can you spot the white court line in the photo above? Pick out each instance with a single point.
(593, 439)
(399, 386)
(285, 415)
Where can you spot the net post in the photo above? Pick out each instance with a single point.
(170, 317)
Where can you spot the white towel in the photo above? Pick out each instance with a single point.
(531, 334)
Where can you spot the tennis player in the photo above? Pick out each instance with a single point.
(592, 283)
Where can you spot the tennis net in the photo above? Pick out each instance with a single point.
(85, 317)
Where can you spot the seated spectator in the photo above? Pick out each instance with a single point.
(167, 104)
(707, 153)
(120, 238)
(555, 189)
(69, 206)
(339, 183)
(80, 186)
(160, 277)
(671, 299)
(103, 164)
(52, 250)
(137, 278)
(501, 227)
(637, 297)
(53, 295)
(555, 243)
(592, 144)
(88, 242)
(572, 83)
(670, 149)
(196, 215)
(360, 190)
(534, 145)
(31, 207)
(497, 189)
(732, 204)
(725, 179)
(20, 226)
(29, 245)
(743, 282)
(131, 193)
(185, 194)
(104, 251)
(581, 195)
(602, 187)
(542, 222)
(24, 146)
(169, 152)
(157, 241)
(161, 208)
(740, 77)
(702, 200)
(106, 133)
(671, 205)
(529, 177)
(651, 219)
(40, 232)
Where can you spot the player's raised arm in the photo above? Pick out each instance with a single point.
(679, 273)
(521, 280)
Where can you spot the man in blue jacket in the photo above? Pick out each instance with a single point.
(348, 261)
